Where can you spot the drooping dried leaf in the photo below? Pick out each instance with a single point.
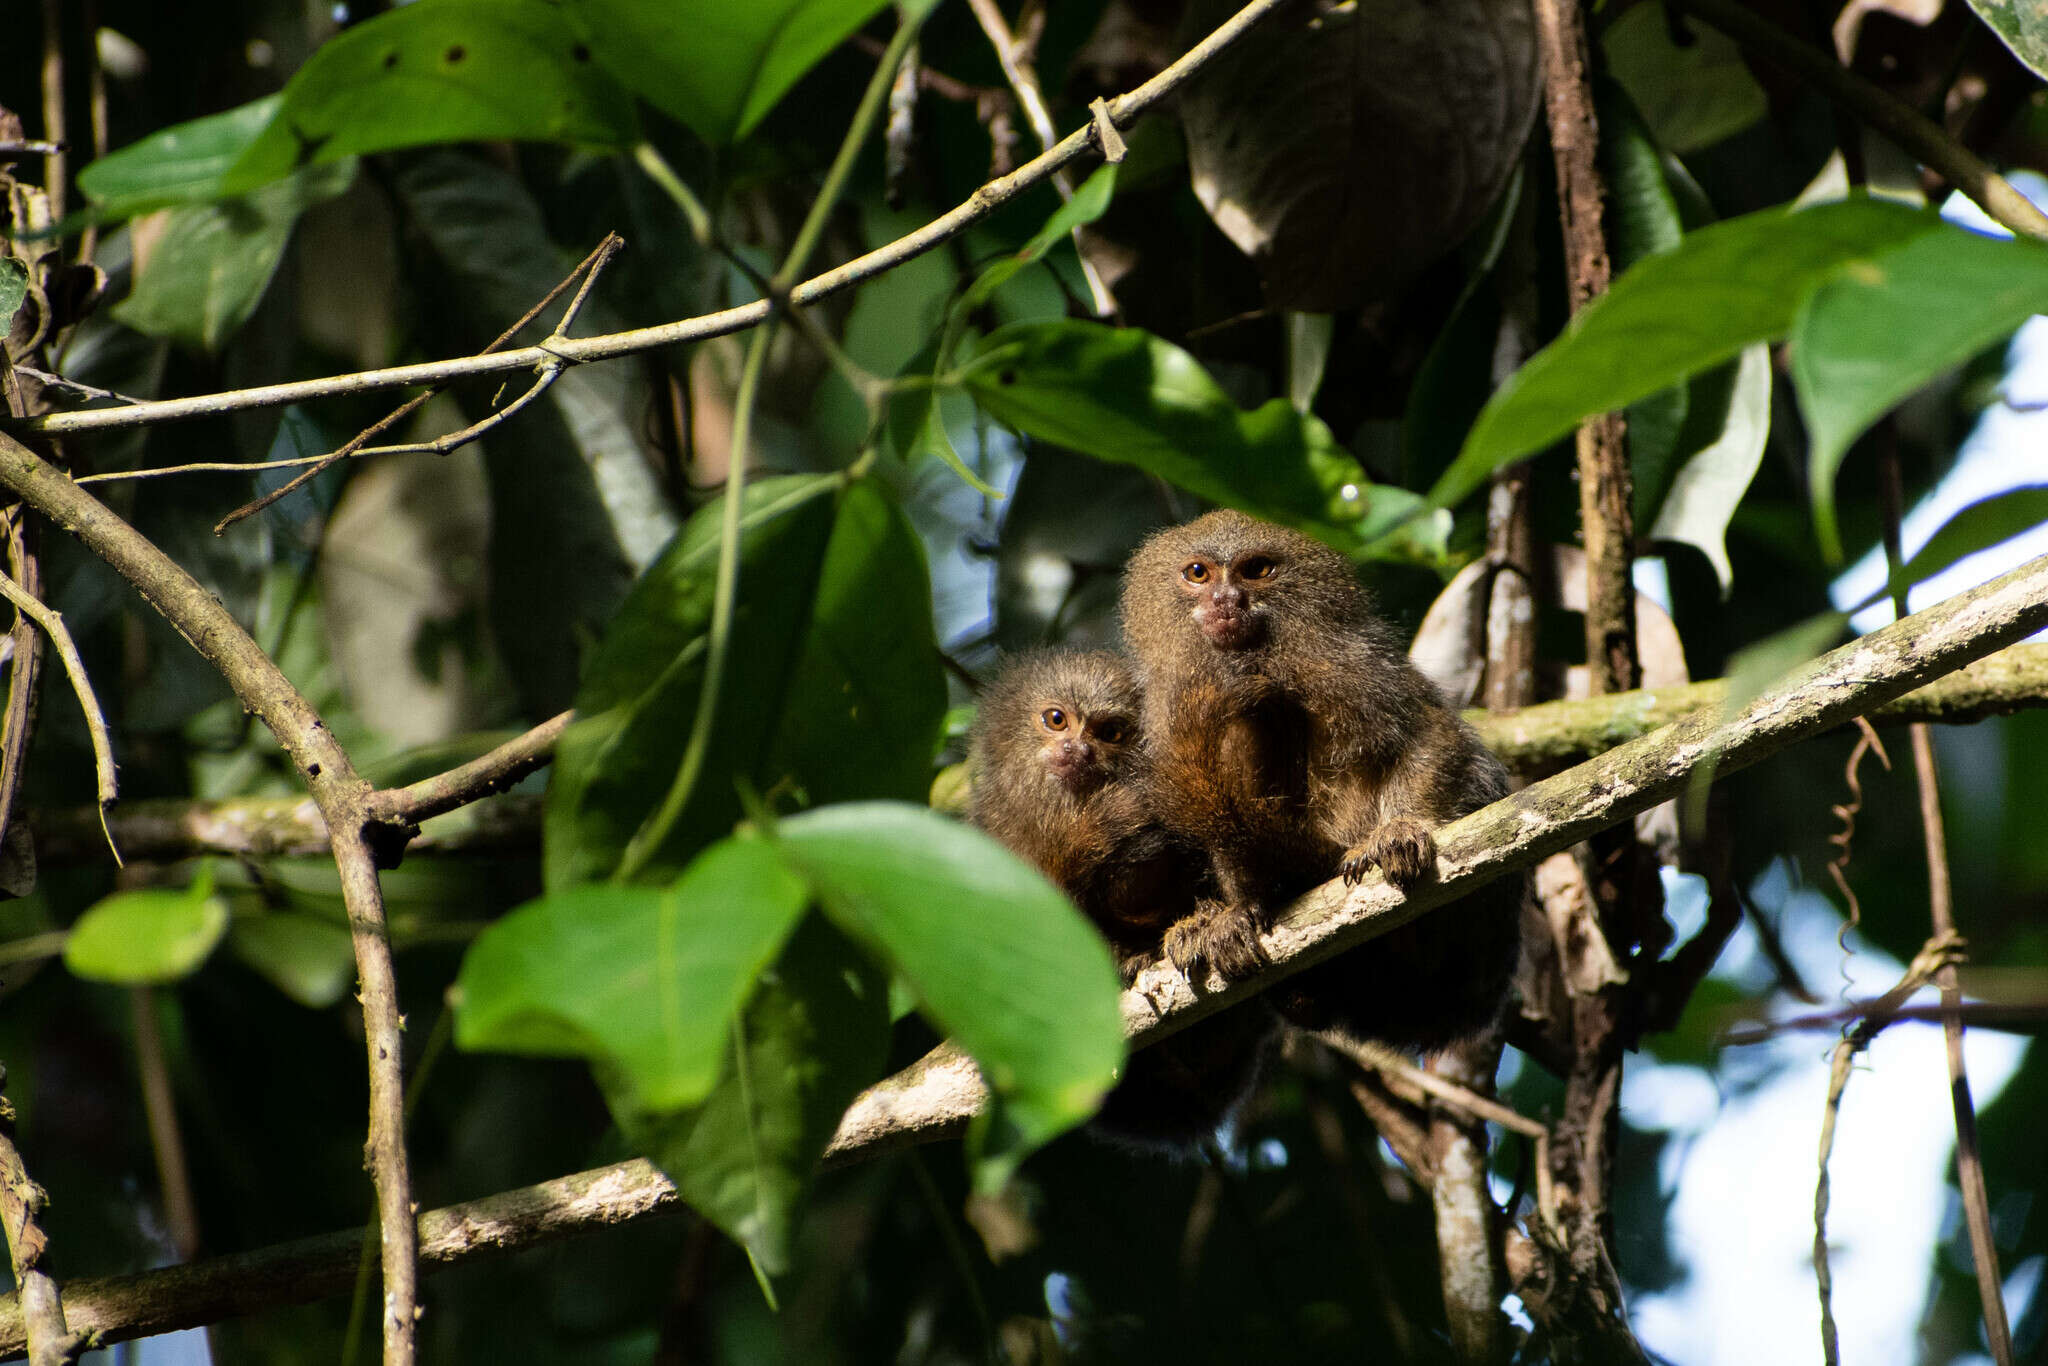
(1345, 148)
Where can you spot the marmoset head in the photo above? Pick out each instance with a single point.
(1064, 718)
(1239, 583)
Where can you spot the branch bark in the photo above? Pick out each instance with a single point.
(359, 837)
(1123, 111)
(1530, 741)
(935, 1097)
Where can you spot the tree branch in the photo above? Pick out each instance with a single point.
(1530, 741)
(358, 835)
(936, 1096)
(1123, 111)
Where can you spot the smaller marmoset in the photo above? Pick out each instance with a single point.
(1061, 777)
(1293, 741)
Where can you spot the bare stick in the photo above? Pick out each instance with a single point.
(74, 667)
(1015, 57)
(1941, 913)
(480, 777)
(936, 1097)
(359, 836)
(1124, 111)
(1934, 956)
(549, 368)
(44, 1333)
(1529, 740)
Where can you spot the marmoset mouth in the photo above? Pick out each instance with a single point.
(1229, 630)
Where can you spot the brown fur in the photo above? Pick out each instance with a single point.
(1295, 742)
(1076, 801)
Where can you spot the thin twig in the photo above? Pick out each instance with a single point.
(359, 837)
(1941, 915)
(1937, 954)
(166, 1138)
(1882, 111)
(45, 1333)
(81, 686)
(480, 777)
(1530, 741)
(1844, 837)
(1015, 58)
(937, 1096)
(1404, 1073)
(549, 368)
(2011, 1017)
(1124, 111)
(56, 163)
(647, 841)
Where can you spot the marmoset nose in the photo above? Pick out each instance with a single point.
(1228, 596)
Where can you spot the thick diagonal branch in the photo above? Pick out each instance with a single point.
(357, 835)
(935, 1097)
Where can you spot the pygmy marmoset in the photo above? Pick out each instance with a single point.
(1060, 776)
(1291, 738)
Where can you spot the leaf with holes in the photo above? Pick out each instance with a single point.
(442, 71)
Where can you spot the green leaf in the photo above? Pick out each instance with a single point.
(1979, 526)
(13, 288)
(1729, 285)
(641, 981)
(1692, 96)
(716, 66)
(1756, 667)
(634, 712)
(917, 423)
(213, 261)
(308, 958)
(1879, 330)
(814, 1033)
(1704, 495)
(998, 958)
(868, 697)
(142, 937)
(442, 71)
(1124, 395)
(2020, 27)
(183, 164)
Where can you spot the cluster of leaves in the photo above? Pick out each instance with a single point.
(746, 909)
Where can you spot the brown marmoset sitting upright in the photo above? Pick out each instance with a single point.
(1060, 776)
(1291, 738)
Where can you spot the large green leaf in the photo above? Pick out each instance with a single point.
(868, 698)
(638, 702)
(150, 935)
(2021, 27)
(1874, 333)
(717, 66)
(1691, 96)
(1676, 313)
(183, 164)
(812, 1036)
(213, 261)
(997, 957)
(442, 71)
(1124, 395)
(642, 981)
